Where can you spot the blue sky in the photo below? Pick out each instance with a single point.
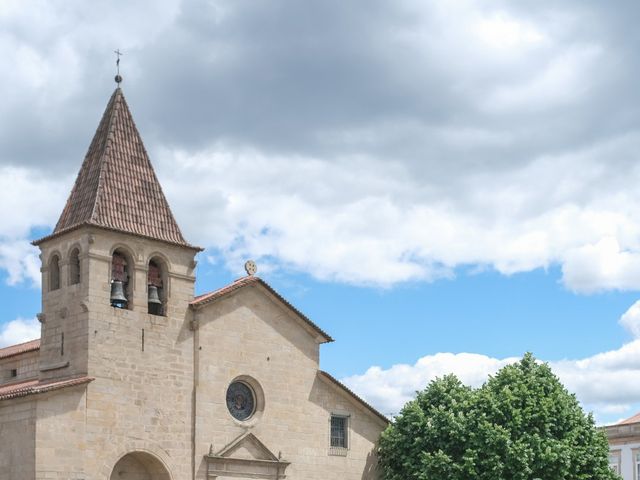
(440, 186)
(481, 312)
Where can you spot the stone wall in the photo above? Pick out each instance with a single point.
(25, 364)
(160, 383)
(624, 446)
(17, 439)
(141, 399)
(251, 336)
(61, 447)
(64, 340)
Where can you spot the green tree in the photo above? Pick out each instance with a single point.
(521, 424)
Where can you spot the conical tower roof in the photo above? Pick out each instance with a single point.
(117, 187)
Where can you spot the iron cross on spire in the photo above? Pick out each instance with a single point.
(118, 77)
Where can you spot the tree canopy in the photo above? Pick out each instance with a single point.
(522, 424)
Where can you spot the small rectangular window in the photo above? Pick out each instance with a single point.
(339, 437)
(14, 372)
(614, 461)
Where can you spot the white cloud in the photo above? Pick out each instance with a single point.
(30, 200)
(604, 265)
(21, 261)
(18, 331)
(388, 390)
(631, 319)
(366, 221)
(558, 83)
(605, 383)
(502, 31)
(446, 136)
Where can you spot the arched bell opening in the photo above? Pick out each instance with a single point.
(121, 280)
(54, 272)
(139, 466)
(156, 287)
(74, 266)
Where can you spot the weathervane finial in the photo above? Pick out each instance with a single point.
(118, 78)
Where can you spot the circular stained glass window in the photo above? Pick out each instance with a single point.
(241, 401)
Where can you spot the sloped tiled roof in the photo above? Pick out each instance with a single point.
(116, 187)
(25, 347)
(206, 298)
(32, 387)
(630, 420)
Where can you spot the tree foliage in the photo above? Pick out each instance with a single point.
(522, 424)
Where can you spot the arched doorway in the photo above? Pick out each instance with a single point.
(139, 466)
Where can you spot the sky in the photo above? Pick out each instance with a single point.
(442, 186)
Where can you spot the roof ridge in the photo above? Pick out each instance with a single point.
(35, 386)
(155, 176)
(212, 293)
(354, 395)
(20, 344)
(20, 348)
(103, 158)
(635, 418)
(201, 300)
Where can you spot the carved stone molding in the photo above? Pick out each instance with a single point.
(246, 457)
(55, 366)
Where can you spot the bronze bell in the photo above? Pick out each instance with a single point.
(153, 296)
(118, 298)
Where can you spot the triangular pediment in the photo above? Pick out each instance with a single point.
(246, 457)
(247, 447)
(202, 301)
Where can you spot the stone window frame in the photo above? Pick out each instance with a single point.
(129, 286)
(259, 399)
(163, 291)
(615, 455)
(53, 267)
(75, 265)
(340, 450)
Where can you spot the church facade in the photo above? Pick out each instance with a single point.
(135, 378)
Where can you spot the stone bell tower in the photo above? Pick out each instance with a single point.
(117, 279)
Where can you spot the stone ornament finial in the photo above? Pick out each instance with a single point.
(250, 267)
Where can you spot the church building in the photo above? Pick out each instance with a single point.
(136, 378)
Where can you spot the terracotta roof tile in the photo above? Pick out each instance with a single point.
(206, 298)
(630, 420)
(32, 387)
(25, 347)
(116, 187)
